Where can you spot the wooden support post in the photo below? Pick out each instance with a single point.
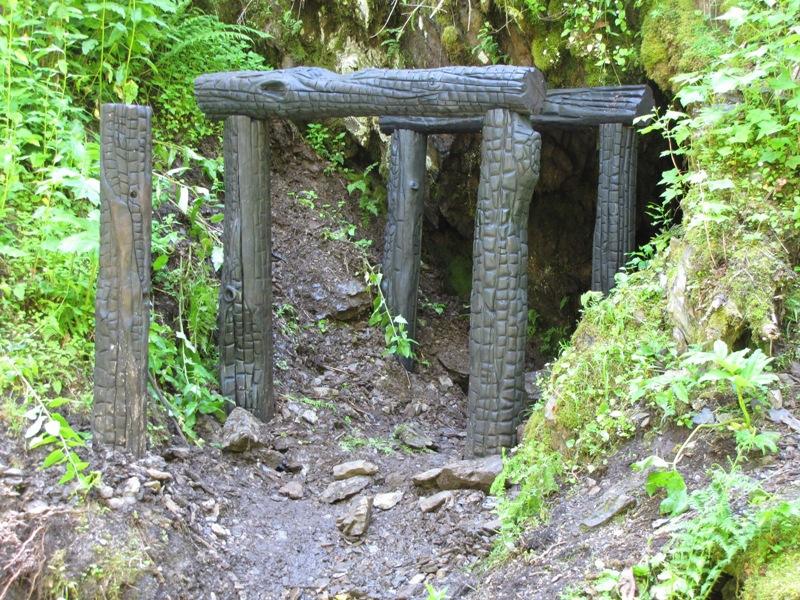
(615, 223)
(403, 238)
(499, 302)
(122, 305)
(245, 301)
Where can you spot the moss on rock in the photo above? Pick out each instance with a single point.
(778, 579)
(676, 38)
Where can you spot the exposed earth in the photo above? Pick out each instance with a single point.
(261, 511)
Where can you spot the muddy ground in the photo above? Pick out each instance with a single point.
(200, 522)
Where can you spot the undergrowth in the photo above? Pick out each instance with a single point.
(60, 61)
(722, 275)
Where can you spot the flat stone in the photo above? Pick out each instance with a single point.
(387, 500)
(132, 487)
(153, 485)
(611, 505)
(355, 523)
(293, 490)
(105, 491)
(12, 472)
(116, 503)
(477, 474)
(435, 502)
(219, 530)
(158, 474)
(283, 443)
(309, 416)
(272, 458)
(354, 468)
(241, 432)
(341, 490)
(412, 437)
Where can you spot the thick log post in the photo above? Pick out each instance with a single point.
(499, 301)
(122, 305)
(403, 237)
(245, 301)
(615, 223)
(310, 92)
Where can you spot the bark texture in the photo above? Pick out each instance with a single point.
(499, 303)
(122, 304)
(310, 92)
(615, 223)
(245, 303)
(403, 236)
(577, 107)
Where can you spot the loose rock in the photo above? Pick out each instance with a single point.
(412, 437)
(475, 474)
(435, 502)
(355, 523)
(354, 468)
(293, 490)
(388, 500)
(341, 490)
(309, 416)
(611, 505)
(158, 475)
(132, 487)
(242, 431)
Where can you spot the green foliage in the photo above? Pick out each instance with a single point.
(435, 594)
(488, 46)
(394, 326)
(351, 442)
(730, 516)
(535, 467)
(61, 61)
(327, 144)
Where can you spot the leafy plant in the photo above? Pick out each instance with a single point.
(488, 46)
(394, 327)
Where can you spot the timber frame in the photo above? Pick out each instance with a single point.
(505, 103)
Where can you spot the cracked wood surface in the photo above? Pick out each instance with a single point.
(499, 302)
(122, 303)
(311, 92)
(245, 301)
(578, 107)
(403, 234)
(615, 221)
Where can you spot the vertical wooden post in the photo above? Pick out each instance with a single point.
(245, 303)
(122, 304)
(499, 302)
(403, 237)
(615, 223)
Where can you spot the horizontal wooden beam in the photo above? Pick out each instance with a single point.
(580, 107)
(310, 92)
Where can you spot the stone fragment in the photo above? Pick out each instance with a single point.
(310, 416)
(241, 432)
(292, 490)
(611, 505)
(177, 453)
(272, 458)
(132, 487)
(475, 474)
(153, 485)
(387, 500)
(105, 491)
(158, 474)
(435, 502)
(283, 443)
(116, 503)
(12, 472)
(354, 468)
(220, 531)
(355, 523)
(172, 506)
(341, 490)
(411, 436)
